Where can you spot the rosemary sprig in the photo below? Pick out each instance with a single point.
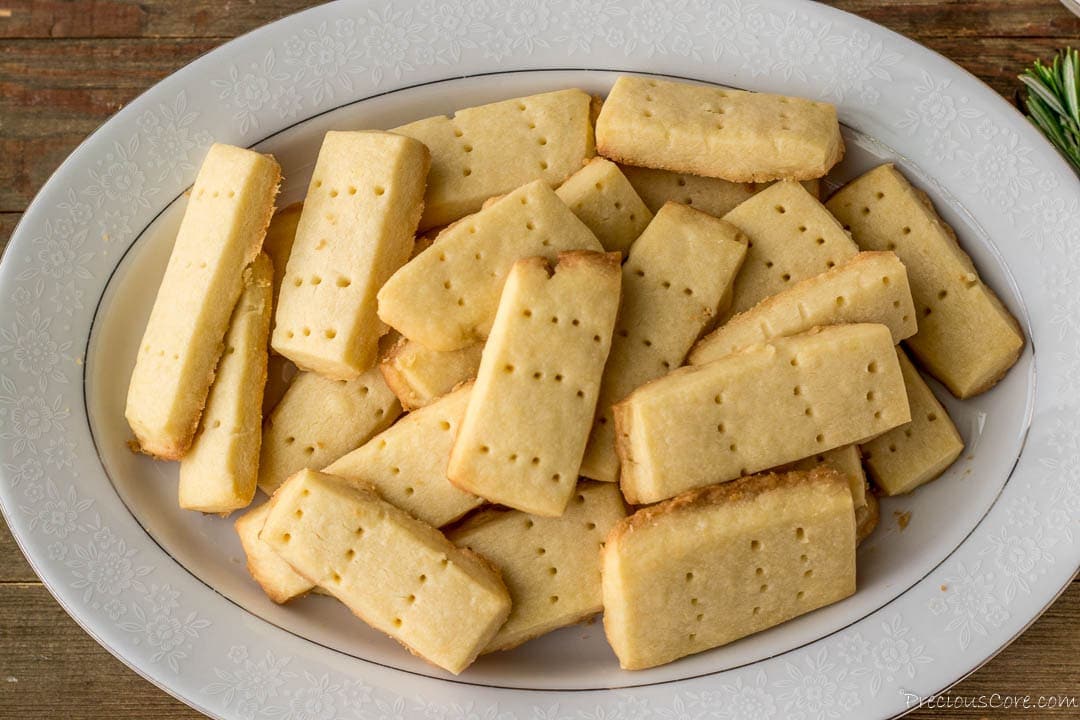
(1053, 101)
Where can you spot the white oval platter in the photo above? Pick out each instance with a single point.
(987, 547)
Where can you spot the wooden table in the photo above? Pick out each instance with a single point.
(67, 65)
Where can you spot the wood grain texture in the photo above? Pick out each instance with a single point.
(67, 65)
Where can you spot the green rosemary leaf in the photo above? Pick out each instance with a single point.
(1053, 101)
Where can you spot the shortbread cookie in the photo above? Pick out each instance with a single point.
(967, 339)
(717, 132)
(446, 297)
(218, 473)
(279, 241)
(319, 420)
(551, 566)
(355, 230)
(442, 603)
(275, 576)
(792, 237)
(866, 518)
(712, 195)
(723, 562)
(914, 454)
(529, 415)
(846, 460)
(602, 198)
(222, 230)
(406, 463)
(418, 375)
(492, 149)
(678, 273)
(871, 287)
(761, 407)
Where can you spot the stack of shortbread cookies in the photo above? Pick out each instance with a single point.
(554, 356)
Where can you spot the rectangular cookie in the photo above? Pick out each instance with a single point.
(275, 576)
(356, 229)
(529, 415)
(446, 297)
(442, 603)
(491, 149)
(915, 453)
(418, 375)
(871, 287)
(602, 198)
(792, 237)
(764, 406)
(717, 132)
(551, 566)
(278, 244)
(967, 339)
(318, 420)
(667, 301)
(223, 227)
(717, 564)
(847, 461)
(712, 195)
(406, 463)
(219, 472)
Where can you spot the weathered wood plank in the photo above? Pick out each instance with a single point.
(204, 18)
(967, 18)
(125, 18)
